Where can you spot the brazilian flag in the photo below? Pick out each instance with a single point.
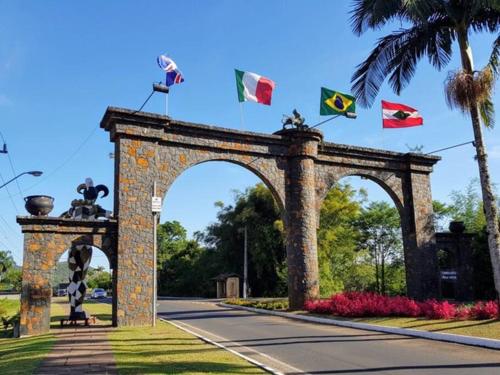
(336, 103)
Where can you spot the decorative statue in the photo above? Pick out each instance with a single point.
(79, 258)
(86, 208)
(296, 121)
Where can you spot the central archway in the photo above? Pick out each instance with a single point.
(218, 232)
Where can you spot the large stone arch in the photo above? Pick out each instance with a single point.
(45, 240)
(298, 167)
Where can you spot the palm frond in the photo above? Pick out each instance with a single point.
(485, 19)
(493, 62)
(487, 112)
(399, 53)
(373, 14)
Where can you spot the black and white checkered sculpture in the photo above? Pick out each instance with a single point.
(78, 262)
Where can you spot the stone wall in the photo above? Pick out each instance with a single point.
(45, 240)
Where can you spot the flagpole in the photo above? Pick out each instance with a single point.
(242, 120)
(382, 117)
(166, 104)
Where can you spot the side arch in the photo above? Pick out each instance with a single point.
(390, 182)
(45, 240)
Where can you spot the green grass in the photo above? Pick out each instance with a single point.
(8, 307)
(59, 309)
(478, 328)
(166, 349)
(22, 356)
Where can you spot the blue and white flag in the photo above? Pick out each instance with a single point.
(173, 75)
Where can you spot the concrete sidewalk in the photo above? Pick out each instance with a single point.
(80, 350)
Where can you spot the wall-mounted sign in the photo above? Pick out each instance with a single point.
(156, 204)
(448, 275)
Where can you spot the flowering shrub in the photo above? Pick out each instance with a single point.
(366, 304)
(485, 310)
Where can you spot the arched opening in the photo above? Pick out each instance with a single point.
(360, 244)
(82, 281)
(201, 236)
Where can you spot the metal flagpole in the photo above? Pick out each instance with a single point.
(166, 104)
(154, 259)
(245, 265)
(242, 121)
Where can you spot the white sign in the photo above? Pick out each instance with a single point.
(448, 275)
(156, 204)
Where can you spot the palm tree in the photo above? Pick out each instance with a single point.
(430, 28)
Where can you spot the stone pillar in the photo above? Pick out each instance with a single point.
(38, 261)
(422, 271)
(134, 176)
(300, 215)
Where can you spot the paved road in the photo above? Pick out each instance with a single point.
(305, 348)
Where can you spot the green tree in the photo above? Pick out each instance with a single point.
(256, 209)
(340, 264)
(184, 267)
(432, 28)
(380, 234)
(7, 270)
(467, 206)
(99, 278)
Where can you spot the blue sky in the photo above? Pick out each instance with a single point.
(63, 63)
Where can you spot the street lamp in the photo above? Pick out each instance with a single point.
(33, 173)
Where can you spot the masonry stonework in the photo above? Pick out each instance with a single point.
(297, 166)
(45, 240)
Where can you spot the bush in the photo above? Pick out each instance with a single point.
(367, 304)
(485, 310)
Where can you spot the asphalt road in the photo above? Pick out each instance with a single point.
(294, 347)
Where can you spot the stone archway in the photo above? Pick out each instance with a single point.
(295, 164)
(45, 240)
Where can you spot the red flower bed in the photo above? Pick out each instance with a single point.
(365, 304)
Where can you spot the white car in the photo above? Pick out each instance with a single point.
(98, 293)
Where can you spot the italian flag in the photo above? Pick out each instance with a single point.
(396, 115)
(254, 88)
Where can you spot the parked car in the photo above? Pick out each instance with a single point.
(61, 292)
(98, 293)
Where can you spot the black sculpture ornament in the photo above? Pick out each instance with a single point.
(296, 121)
(87, 208)
(91, 193)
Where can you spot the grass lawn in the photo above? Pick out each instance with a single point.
(145, 350)
(21, 356)
(478, 328)
(167, 350)
(60, 309)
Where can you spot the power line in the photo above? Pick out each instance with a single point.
(66, 161)
(12, 165)
(9, 194)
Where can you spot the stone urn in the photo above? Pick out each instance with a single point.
(39, 205)
(457, 227)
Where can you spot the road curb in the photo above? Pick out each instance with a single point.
(447, 337)
(211, 342)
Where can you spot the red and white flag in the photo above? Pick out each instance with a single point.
(395, 115)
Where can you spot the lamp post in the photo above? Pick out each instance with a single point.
(33, 173)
